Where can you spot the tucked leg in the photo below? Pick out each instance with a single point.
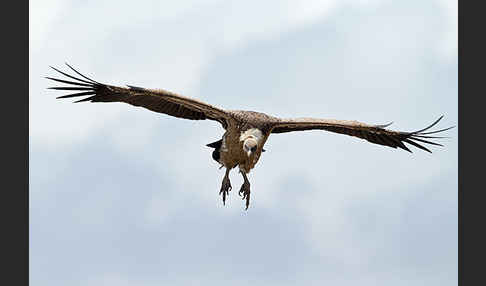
(225, 186)
(245, 189)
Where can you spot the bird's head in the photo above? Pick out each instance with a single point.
(250, 145)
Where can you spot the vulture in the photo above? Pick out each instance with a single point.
(245, 131)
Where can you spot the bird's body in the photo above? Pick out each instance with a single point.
(245, 124)
(246, 131)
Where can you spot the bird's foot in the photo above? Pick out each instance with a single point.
(225, 188)
(245, 193)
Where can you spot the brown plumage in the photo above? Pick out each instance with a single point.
(246, 131)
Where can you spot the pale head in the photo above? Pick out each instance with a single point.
(250, 145)
(250, 139)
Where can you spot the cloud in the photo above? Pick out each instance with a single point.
(449, 44)
(136, 193)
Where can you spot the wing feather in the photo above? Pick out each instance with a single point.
(156, 100)
(373, 133)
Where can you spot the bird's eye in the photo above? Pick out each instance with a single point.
(253, 149)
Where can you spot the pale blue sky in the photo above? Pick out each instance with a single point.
(120, 195)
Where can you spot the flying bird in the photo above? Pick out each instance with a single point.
(245, 131)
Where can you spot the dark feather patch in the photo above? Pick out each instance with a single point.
(136, 88)
(68, 82)
(70, 88)
(76, 94)
(70, 76)
(85, 77)
(373, 133)
(216, 144)
(156, 100)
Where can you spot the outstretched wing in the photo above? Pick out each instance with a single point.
(373, 133)
(157, 100)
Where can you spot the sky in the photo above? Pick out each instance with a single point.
(120, 195)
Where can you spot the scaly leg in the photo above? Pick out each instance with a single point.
(225, 186)
(245, 190)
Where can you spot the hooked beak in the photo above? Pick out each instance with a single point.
(248, 153)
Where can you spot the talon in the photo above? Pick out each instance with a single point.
(225, 187)
(247, 204)
(247, 201)
(245, 190)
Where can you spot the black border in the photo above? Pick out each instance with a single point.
(470, 111)
(15, 143)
